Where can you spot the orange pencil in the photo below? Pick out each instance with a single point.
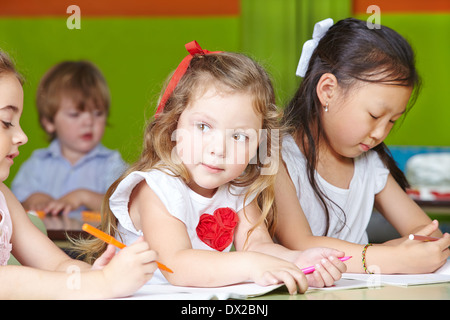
(111, 240)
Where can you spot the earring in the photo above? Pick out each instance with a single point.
(325, 107)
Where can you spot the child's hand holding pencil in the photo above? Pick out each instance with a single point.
(111, 240)
(124, 272)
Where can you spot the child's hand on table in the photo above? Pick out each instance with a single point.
(326, 261)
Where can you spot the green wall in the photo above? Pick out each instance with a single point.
(137, 54)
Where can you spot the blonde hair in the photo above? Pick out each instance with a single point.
(7, 67)
(232, 73)
(80, 81)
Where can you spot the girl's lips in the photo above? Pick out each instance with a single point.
(11, 156)
(212, 168)
(365, 147)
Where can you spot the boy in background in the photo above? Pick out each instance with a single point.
(75, 171)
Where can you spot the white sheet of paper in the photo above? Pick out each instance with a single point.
(439, 276)
(248, 289)
(237, 291)
(343, 284)
(167, 291)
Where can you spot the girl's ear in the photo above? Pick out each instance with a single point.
(326, 88)
(48, 125)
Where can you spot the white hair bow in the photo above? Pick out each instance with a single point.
(320, 28)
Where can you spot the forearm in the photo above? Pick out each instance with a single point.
(379, 258)
(36, 201)
(91, 200)
(275, 250)
(203, 268)
(20, 282)
(68, 263)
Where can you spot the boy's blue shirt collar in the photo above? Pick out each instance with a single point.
(54, 150)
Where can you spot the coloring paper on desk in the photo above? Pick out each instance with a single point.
(441, 275)
(168, 291)
(343, 284)
(445, 269)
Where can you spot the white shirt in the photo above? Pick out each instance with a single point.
(179, 200)
(369, 178)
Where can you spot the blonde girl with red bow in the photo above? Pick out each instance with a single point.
(204, 182)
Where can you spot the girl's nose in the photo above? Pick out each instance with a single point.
(216, 145)
(380, 131)
(20, 138)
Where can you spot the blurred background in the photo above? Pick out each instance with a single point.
(136, 44)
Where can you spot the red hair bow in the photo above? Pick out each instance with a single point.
(193, 48)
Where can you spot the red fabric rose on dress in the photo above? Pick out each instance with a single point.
(217, 230)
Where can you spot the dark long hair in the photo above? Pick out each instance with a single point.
(350, 51)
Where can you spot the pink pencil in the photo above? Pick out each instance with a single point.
(311, 269)
(422, 238)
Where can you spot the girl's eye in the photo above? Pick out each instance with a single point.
(240, 137)
(7, 124)
(394, 120)
(202, 126)
(73, 114)
(374, 117)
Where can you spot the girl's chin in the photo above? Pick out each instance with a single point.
(203, 189)
(4, 174)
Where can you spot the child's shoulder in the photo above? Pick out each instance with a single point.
(102, 151)
(42, 153)
(170, 190)
(52, 150)
(3, 191)
(290, 148)
(159, 180)
(7, 198)
(161, 175)
(373, 169)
